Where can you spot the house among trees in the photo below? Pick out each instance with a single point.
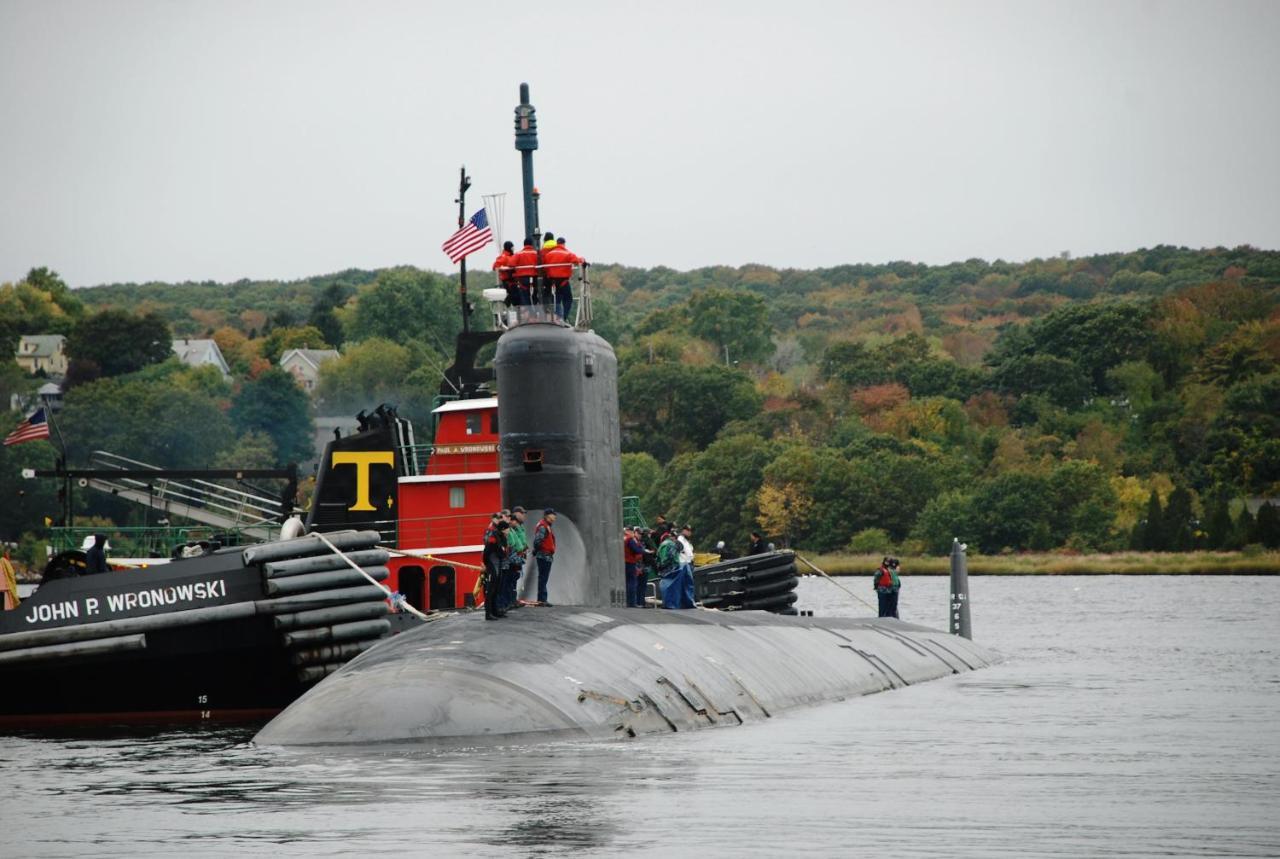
(43, 353)
(50, 394)
(199, 353)
(304, 365)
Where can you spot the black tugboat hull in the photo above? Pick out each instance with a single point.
(233, 635)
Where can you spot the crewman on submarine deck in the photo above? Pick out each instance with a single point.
(559, 261)
(505, 268)
(633, 566)
(887, 585)
(544, 551)
(495, 553)
(526, 272)
(517, 553)
(675, 559)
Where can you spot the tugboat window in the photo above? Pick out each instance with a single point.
(457, 497)
(493, 423)
(473, 423)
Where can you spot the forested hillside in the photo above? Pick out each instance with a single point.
(1092, 403)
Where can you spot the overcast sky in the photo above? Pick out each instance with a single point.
(220, 140)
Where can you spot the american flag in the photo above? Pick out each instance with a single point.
(474, 235)
(34, 427)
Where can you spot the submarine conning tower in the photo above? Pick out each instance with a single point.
(559, 447)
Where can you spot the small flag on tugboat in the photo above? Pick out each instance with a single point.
(34, 427)
(474, 235)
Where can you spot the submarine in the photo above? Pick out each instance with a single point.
(588, 667)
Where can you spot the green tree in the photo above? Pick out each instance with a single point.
(734, 321)
(274, 404)
(49, 281)
(944, 518)
(1220, 526)
(640, 473)
(668, 408)
(1179, 520)
(155, 422)
(1085, 505)
(323, 316)
(1150, 533)
(854, 364)
(716, 491)
(405, 305)
(368, 373)
(1243, 444)
(116, 342)
(1013, 510)
(1268, 526)
(1060, 380)
(870, 541)
(1094, 336)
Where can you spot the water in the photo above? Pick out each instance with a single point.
(1132, 717)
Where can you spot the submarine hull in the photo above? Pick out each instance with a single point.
(588, 673)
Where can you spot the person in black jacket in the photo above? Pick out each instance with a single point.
(95, 557)
(757, 545)
(495, 556)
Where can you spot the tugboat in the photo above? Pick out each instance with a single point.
(232, 634)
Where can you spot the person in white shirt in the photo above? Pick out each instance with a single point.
(683, 584)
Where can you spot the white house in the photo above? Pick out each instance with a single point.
(198, 353)
(43, 353)
(304, 365)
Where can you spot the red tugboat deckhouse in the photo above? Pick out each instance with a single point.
(444, 509)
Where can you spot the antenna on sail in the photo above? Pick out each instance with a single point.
(496, 206)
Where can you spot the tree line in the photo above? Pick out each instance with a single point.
(1036, 405)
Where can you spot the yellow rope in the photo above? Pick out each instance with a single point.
(426, 557)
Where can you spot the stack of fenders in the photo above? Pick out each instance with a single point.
(341, 614)
(756, 583)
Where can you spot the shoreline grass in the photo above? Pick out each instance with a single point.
(1251, 563)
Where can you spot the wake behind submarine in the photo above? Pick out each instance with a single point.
(588, 668)
(592, 669)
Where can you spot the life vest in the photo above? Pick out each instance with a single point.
(544, 539)
(502, 265)
(632, 555)
(526, 262)
(885, 578)
(560, 261)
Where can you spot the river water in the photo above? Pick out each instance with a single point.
(1132, 716)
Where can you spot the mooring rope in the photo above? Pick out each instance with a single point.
(386, 590)
(405, 554)
(837, 584)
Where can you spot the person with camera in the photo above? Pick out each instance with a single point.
(887, 585)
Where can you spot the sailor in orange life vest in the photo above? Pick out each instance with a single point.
(544, 551)
(507, 274)
(560, 262)
(887, 584)
(526, 272)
